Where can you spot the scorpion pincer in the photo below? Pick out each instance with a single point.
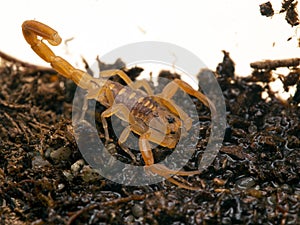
(154, 118)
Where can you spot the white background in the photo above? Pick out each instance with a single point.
(202, 27)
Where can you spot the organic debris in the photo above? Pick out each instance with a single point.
(44, 180)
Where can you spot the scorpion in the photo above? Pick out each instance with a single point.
(153, 118)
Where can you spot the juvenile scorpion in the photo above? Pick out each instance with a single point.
(154, 118)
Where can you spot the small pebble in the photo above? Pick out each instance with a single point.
(88, 174)
(245, 183)
(68, 175)
(38, 161)
(137, 210)
(60, 187)
(77, 166)
(252, 129)
(61, 154)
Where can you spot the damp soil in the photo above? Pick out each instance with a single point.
(44, 179)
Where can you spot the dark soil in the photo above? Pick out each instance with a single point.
(44, 179)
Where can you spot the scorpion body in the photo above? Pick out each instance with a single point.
(144, 110)
(154, 118)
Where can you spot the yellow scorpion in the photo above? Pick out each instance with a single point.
(154, 118)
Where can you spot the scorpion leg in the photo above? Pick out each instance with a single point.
(115, 109)
(171, 88)
(143, 83)
(121, 111)
(123, 137)
(135, 85)
(120, 73)
(201, 97)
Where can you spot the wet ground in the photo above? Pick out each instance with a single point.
(44, 180)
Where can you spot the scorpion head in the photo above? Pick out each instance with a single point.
(168, 126)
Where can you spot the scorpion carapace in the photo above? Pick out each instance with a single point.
(154, 118)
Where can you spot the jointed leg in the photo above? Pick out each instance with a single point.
(143, 83)
(201, 97)
(135, 85)
(171, 88)
(118, 109)
(120, 73)
(123, 137)
(188, 89)
(122, 112)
